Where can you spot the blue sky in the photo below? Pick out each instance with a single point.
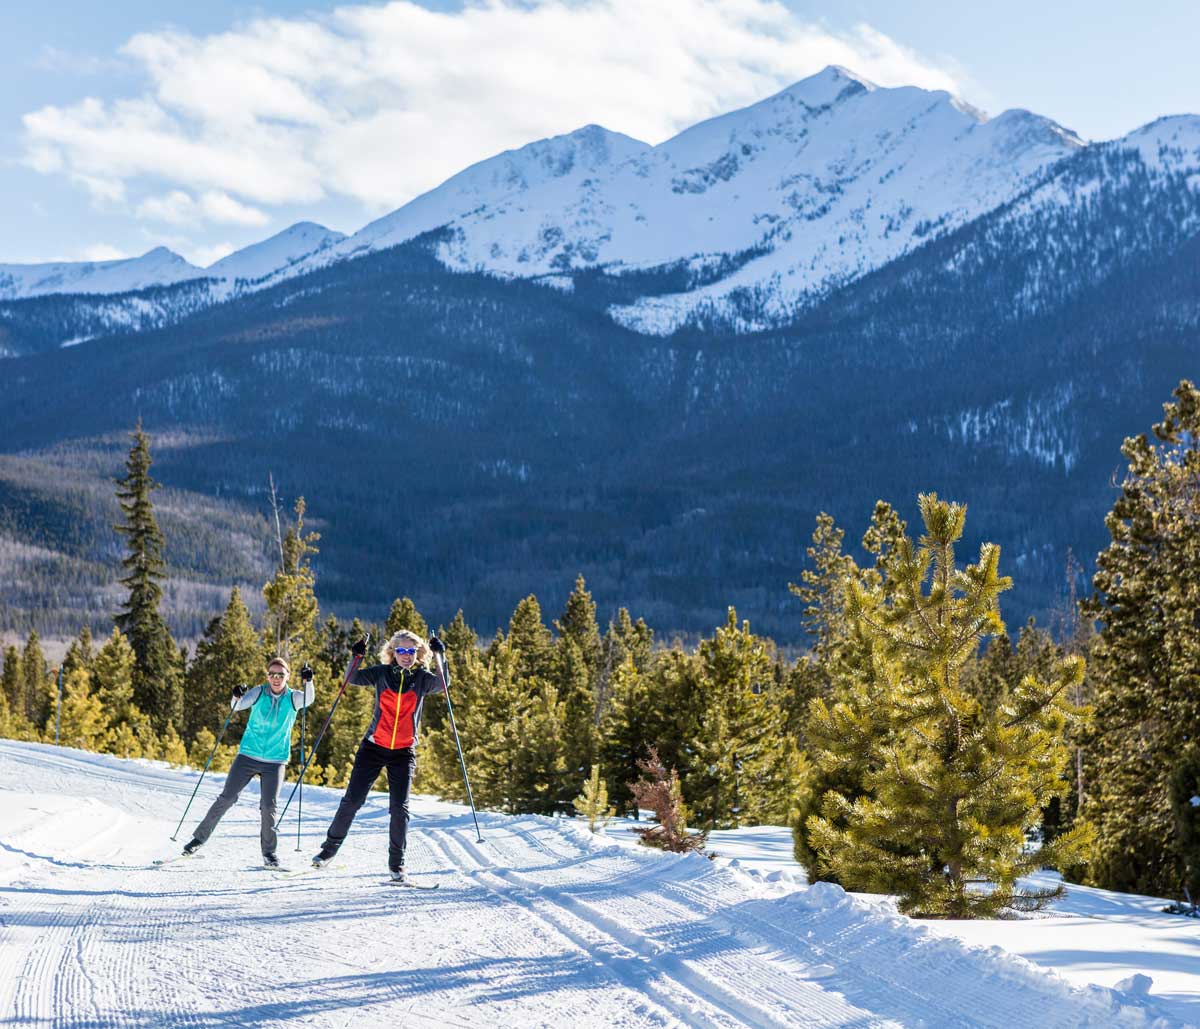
(211, 126)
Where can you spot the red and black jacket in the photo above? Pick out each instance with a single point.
(399, 694)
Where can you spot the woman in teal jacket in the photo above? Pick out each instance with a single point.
(264, 751)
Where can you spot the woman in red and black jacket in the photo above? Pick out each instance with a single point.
(402, 682)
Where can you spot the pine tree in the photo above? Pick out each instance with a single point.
(1184, 794)
(290, 625)
(12, 688)
(6, 719)
(624, 638)
(40, 691)
(157, 686)
(12, 680)
(491, 731)
(834, 700)
(539, 768)
(173, 751)
(1147, 656)
(404, 615)
(291, 630)
(578, 625)
(531, 641)
(592, 803)
(440, 771)
(351, 720)
(113, 668)
(627, 720)
(80, 652)
(954, 780)
(229, 654)
(581, 736)
(84, 724)
(748, 768)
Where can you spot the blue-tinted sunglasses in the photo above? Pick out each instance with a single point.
(405, 650)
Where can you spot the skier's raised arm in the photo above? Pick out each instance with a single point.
(365, 676)
(244, 697)
(305, 699)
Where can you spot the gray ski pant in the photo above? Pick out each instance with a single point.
(240, 773)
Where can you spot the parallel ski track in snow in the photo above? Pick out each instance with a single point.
(539, 925)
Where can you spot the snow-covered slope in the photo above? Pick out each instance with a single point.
(162, 267)
(514, 180)
(539, 924)
(808, 189)
(276, 254)
(158, 267)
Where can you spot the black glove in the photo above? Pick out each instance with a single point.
(240, 691)
(360, 648)
(306, 673)
(436, 645)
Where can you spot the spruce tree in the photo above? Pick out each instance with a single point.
(1147, 656)
(954, 779)
(157, 687)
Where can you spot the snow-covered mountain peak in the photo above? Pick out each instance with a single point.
(278, 252)
(826, 87)
(1168, 144)
(157, 267)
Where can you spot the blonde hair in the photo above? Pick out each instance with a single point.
(406, 638)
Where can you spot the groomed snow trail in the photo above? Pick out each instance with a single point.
(539, 925)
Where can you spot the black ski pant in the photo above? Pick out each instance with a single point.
(370, 760)
(244, 769)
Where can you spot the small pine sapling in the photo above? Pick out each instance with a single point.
(592, 803)
(660, 791)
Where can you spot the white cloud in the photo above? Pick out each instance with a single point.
(379, 103)
(180, 208)
(102, 252)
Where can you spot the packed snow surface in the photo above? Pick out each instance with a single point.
(539, 925)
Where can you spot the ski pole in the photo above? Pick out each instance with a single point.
(306, 674)
(354, 663)
(439, 650)
(211, 755)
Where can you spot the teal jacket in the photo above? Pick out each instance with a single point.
(268, 735)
